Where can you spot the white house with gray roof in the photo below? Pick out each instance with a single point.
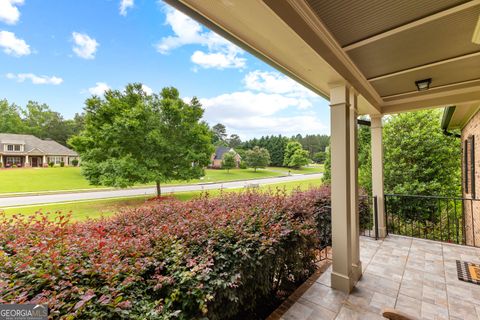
(24, 150)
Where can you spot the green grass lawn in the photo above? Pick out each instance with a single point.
(69, 178)
(313, 168)
(82, 210)
(42, 179)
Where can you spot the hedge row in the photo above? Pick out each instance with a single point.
(208, 258)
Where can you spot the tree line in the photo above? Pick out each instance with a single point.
(39, 120)
(314, 145)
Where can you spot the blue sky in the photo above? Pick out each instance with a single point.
(60, 52)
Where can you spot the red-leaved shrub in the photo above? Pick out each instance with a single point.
(206, 258)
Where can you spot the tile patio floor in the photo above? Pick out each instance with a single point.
(417, 277)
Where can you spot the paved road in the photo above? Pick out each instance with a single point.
(64, 197)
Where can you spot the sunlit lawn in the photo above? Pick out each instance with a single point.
(70, 178)
(82, 210)
(312, 168)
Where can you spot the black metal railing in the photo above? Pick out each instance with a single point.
(445, 219)
(368, 216)
(368, 221)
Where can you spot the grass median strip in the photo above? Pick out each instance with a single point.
(93, 209)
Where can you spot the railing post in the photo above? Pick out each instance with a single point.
(375, 215)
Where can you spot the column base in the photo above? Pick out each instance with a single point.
(382, 232)
(357, 271)
(342, 282)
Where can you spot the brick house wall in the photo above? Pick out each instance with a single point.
(471, 180)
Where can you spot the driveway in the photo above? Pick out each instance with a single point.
(91, 195)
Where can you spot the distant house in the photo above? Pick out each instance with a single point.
(217, 157)
(22, 150)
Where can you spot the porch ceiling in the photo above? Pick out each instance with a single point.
(380, 47)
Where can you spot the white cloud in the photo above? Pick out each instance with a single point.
(251, 114)
(124, 5)
(12, 45)
(85, 47)
(218, 60)
(185, 29)
(250, 127)
(220, 53)
(99, 89)
(270, 104)
(275, 82)
(21, 77)
(248, 104)
(147, 89)
(9, 12)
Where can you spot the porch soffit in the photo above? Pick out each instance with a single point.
(380, 47)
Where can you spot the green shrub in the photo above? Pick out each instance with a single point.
(166, 259)
(62, 164)
(51, 164)
(243, 165)
(75, 162)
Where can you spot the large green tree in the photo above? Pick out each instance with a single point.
(295, 156)
(131, 137)
(228, 161)
(234, 141)
(319, 157)
(10, 119)
(257, 158)
(274, 144)
(39, 120)
(219, 135)
(418, 158)
(313, 143)
(364, 158)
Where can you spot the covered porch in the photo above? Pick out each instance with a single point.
(415, 276)
(368, 58)
(29, 160)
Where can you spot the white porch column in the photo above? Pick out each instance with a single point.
(340, 188)
(356, 263)
(44, 160)
(377, 171)
(26, 159)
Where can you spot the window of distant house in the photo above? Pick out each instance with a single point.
(14, 160)
(55, 159)
(14, 147)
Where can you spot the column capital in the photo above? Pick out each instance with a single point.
(376, 120)
(339, 94)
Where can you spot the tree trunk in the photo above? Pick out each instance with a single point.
(159, 191)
